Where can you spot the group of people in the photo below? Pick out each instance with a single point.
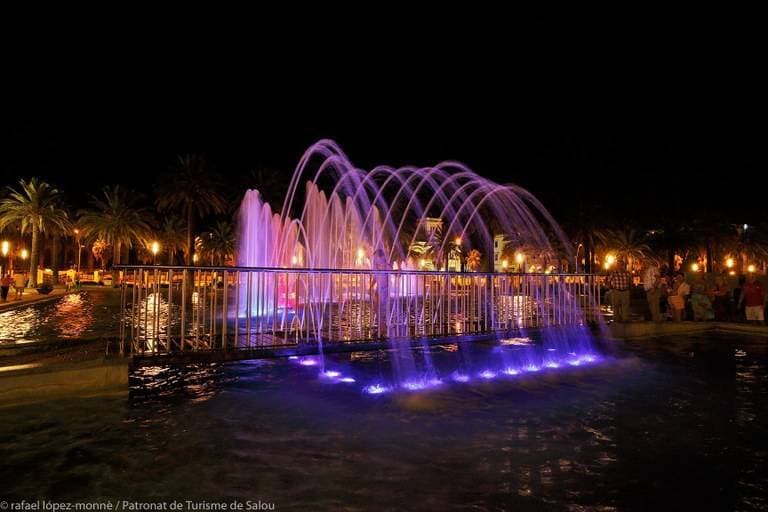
(18, 281)
(671, 296)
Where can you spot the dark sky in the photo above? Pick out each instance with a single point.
(638, 151)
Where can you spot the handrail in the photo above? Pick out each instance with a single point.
(304, 270)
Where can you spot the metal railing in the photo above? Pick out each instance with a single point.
(172, 309)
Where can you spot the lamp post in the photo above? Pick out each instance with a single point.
(79, 249)
(576, 258)
(4, 248)
(155, 250)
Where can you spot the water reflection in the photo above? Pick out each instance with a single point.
(77, 315)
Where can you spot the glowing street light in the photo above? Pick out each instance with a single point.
(4, 248)
(504, 264)
(695, 267)
(422, 263)
(195, 257)
(610, 260)
(79, 248)
(729, 262)
(155, 250)
(24, 254)
(457, 241)
(519, 257)
(751, 269)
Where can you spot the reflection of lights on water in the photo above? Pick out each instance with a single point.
(487, 374)
(13, 368)
(415, 385)
(308, 362)
(511, 371)
(531, 368)
(589, 358)
(516, 341)
(552, 364)
(460, 377)
(346, 379)
(551, 350)
(332, 373)
(293, 357)
(574, 362)
(375, 389)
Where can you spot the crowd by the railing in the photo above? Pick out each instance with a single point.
(661, 294)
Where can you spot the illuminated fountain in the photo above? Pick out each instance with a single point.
(385, 219)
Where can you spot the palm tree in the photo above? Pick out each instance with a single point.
(473, 260)
(172, 236)
(116, 219)
(36, 206)
(194, 190)
(627, 243)
(219, 243)
(102, 251)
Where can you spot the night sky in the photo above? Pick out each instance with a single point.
(632, 154)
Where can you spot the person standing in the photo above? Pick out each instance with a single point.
(619, 282)
(5, 285)
(652, 286)
(678, 297)
(753, 298)
(19, 283)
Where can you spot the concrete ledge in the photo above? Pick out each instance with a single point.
(649, 329)
(29, 383)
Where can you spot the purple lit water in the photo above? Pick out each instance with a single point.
(677, 423)
(338, 216)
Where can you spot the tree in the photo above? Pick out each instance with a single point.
(218, 244)
(35, 206)
(193, 190)
(116, 219)
(172, 236)
(473, 260)
(626, 243)
(102, 251)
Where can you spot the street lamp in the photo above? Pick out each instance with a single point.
(155, 250)
(4, 248)
(729, 262)
(576, 258)
(79, 249)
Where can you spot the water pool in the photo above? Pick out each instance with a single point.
(88, 314)
(677, 422)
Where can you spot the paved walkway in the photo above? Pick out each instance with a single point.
(30, 296)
